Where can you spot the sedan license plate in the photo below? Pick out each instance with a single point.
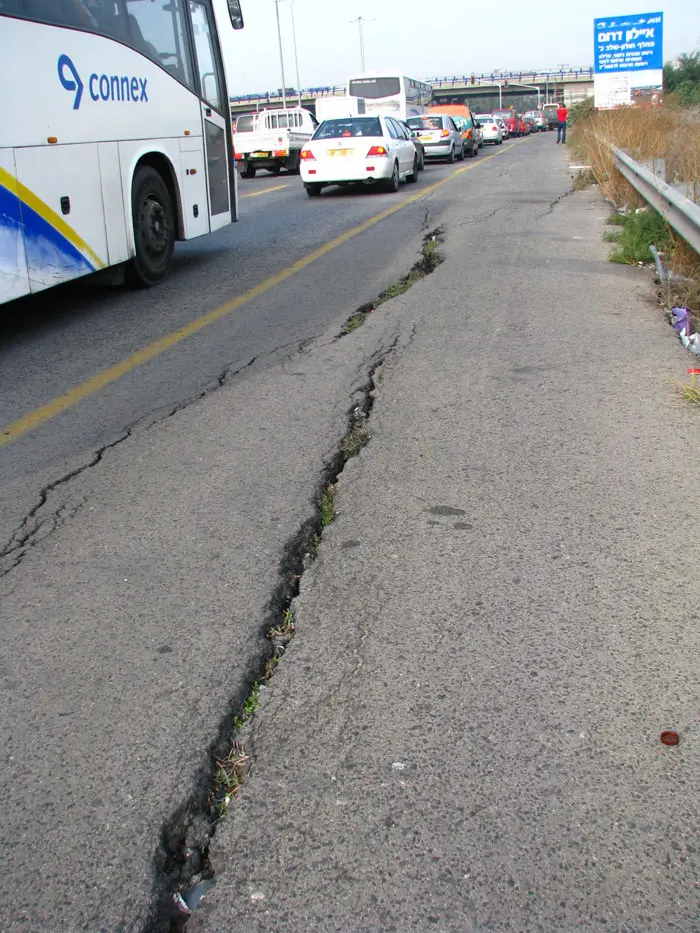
(261, 155)
(341, 152)
(425, 139)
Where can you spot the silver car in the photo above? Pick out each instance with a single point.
(440, 137)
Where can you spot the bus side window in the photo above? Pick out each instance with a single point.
(75, 13)
(158, 31)
(12, 7)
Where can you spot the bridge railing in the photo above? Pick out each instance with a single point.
(527, 77)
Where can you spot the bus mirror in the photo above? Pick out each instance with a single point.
(234, 11)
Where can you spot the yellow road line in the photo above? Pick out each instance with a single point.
(258, 194)
(39, 416)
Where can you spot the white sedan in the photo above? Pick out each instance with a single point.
(481, 117)
(359, 149)
(491, 130)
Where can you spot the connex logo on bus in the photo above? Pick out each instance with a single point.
(101, 87)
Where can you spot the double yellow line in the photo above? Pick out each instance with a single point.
(39, 416)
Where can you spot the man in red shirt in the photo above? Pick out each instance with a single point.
(562, 114)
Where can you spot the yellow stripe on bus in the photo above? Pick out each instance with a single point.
(49, 215)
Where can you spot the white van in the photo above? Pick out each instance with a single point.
(272, 139)
(334, 108)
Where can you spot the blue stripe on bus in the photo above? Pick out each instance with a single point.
(47, 249)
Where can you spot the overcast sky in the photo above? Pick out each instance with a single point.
(458, 38)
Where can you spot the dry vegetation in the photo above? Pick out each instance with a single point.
(669, 133)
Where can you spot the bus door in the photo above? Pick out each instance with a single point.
(214, 124)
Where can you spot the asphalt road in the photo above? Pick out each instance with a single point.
(138, 591)
(55, 341)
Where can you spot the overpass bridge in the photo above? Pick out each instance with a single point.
(523, 89)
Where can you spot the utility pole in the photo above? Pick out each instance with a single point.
(296, 57)
(279, 38)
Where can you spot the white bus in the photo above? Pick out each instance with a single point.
(115, 137)
(391, 93)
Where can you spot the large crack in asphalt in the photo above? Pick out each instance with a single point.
(181, 868)
(181, 862)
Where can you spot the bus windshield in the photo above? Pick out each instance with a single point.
(374, 88)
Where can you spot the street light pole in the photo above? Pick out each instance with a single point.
(279, 38)
(532, 87)
(360, 20)
(296, 57)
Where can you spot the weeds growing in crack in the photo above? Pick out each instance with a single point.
(353, 442)
(182, 862)
(229, 775)
(326, 505)
(431, 258)
(286, 628)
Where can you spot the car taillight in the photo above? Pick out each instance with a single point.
(307, 155)
(445, 133)
(280, 153)
(238, 156)
(377, 151)
(469, 134)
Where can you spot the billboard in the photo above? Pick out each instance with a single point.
(628, 58)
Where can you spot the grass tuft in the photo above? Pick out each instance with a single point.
(640, 230)
(229, 775)
(354, 441)
(583, 179)
(690, 393)
(353, 322)
(286, 627)
(326, 505)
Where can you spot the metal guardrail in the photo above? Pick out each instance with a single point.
(574, 74)
(680, 212)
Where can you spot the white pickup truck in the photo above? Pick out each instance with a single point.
(272, 139)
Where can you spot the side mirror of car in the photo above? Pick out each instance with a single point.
(478, 126)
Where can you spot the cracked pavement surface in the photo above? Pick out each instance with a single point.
(486, 595)
(464, 733)
(143, 533)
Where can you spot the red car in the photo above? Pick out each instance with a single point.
(512, 120)
(516, 123)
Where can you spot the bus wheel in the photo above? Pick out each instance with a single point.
(154, 229)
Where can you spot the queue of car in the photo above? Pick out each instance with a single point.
(370, 148)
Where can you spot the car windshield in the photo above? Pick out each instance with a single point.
(350, 126)
(425, 123)
(245, 124)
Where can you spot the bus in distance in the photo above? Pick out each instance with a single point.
(115, 137)
(391, 93)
